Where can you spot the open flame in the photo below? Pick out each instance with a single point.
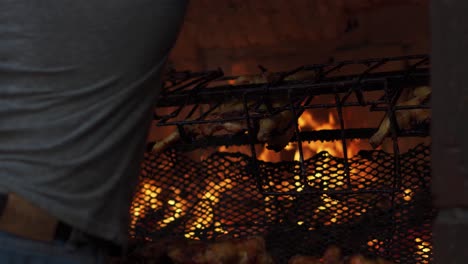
(149, 194)
(205, 207)
(335, 211)
(307, 122)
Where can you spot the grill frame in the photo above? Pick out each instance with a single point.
(187, 91)
(190, 89)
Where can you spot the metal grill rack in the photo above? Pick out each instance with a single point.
(375, 203)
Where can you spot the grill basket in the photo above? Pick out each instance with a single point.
(376, 202)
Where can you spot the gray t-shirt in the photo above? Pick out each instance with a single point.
(78, 80)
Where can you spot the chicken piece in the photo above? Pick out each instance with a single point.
(198, 131)
(332, 256)
(275, 130)
(264, 258)
(266, 76)
(383, 261)
(233, 252)
(157, 251)
(183, 253)
(405, 118)
(245, 251)
(166, 142)
(298, 259)
(359, 259)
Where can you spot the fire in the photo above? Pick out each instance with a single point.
(149, 193)
(205, 208)
(329, 205)
(331, 211)
(146, 198)
(334, 148)
(307, 122)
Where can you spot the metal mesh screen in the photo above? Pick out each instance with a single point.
(219, 197)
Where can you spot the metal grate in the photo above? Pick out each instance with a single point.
(376, 203)
(186, 93)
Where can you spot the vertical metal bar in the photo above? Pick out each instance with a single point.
(339, 109)
(391, 113)
(391, 101)
(298, 140)
(182, 133)
(251, 131)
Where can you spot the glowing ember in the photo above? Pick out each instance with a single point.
(375, 243)
(205, 209)
(408, 194)
(148, 193)
(423, 249)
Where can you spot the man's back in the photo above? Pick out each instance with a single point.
(78, 80)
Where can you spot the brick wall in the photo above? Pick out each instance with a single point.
(237, 35)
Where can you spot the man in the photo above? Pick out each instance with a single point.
(78, 80)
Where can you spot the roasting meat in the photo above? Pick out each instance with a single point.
(250, 250)
(359, 259)
(240, 251)
(405, 118)
(244, 251)
(304, 260)
(333, 256)
(276, 129)
(151, 252)
(198, 131)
